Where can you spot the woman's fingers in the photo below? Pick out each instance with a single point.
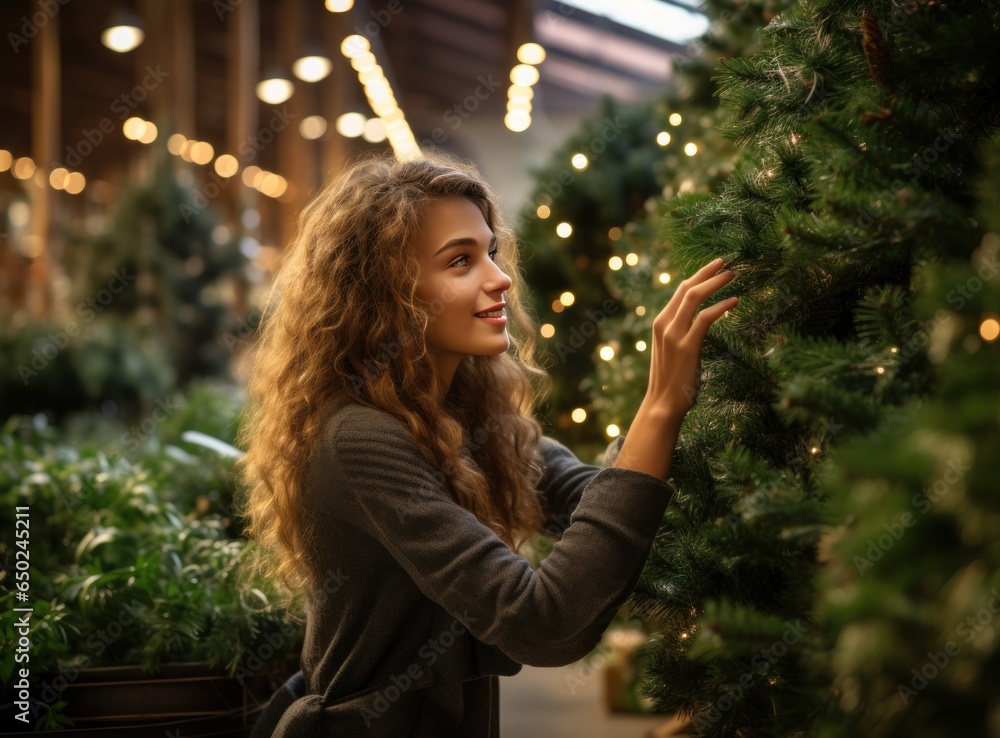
(699, 329)
(706, 272)
(696, 295)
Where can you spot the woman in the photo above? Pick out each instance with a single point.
(395, 465)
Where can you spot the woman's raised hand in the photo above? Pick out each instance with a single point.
(675, 369)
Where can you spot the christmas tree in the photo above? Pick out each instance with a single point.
(860, 128)
(173, 267)
(911, 591)
(667, 145)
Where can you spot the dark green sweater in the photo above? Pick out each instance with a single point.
(423, 606)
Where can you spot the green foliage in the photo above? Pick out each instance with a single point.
(162, 262)
(846, 200)
(120, 572)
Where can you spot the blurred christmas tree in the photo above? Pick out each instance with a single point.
(860, 126)
(170, 267)
(601, 184)
(911, 593)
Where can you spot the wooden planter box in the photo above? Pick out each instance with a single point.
(188, 700)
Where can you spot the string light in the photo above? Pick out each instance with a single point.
(579, 161)
(613, 431)
(564, 230)
(662, 138)
(543, 212)
(567, 298)
(547, 330)
(607, 353)
(674, 119)
(615, 263)
(989, 328)
(615, 233)
(690, 149)
(579, 415)
(664, 278)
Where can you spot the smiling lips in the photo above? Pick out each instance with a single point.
(490, 314)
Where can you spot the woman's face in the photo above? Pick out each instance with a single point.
(458, 279)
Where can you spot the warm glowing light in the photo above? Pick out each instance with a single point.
(675, 119)
(640, 345)
(531, 53)
(58, 178)
(557, 307)
(615, 263)
(149, 133)
(122, 38)
(640, 310)
(567, 298)
(564, 230)
(613, 431)
(579, 161)
(339, 6)
(547, 330)
(350, 125)
(374, 130)
(989, 329)
(275, 91)
(664, 278)
(226, 165)
(175, 142)
(249, 174)
(23, 168)
(312, 127)
(607, 353)
(517, 120)
(543, 212)
(311, 68)
(5, 160)
(75, 183)
(133, 128)
(202, 152)
(615, 233)
(880, 369)
(520, 92)
(579, 415)
(524, 75)
(632, 259)
(354, 45)
(690, 149)
(663, 138)
(519, 104)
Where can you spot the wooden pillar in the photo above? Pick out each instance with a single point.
(45, 117)
(335, 92)
(242, 72)
(182, 76)
(291, 146)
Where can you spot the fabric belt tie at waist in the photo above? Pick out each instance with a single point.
(301, 719)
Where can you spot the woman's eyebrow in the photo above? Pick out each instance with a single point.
(465, 241)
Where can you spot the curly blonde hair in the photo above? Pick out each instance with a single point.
(348, 323)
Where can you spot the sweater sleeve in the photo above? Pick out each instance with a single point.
(551, 616)
(564, 480)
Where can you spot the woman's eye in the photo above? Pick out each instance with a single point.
(465, 257)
